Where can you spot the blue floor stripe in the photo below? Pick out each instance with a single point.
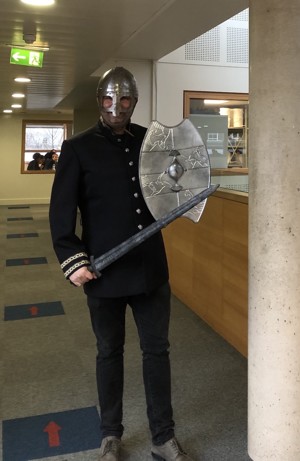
(19, 236)
(51, 434)
(26, 261)
(31, 311)
(20, 219)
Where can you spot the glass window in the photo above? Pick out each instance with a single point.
(44, 138)
(222, 121)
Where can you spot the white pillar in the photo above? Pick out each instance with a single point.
(274, 231)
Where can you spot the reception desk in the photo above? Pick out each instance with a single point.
(208, 264)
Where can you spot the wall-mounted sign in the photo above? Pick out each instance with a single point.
(26, 57)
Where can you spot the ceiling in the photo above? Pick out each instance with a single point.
(83, 36)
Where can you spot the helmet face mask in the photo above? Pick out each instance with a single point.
(117, 94)
(117, 104)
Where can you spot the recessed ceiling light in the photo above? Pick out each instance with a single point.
(22, 79)
(18, 95)
(38, 2)
(7, 111)
(214, 101)
(16, 106)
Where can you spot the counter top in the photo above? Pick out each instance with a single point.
(228, 171)
(230, 194)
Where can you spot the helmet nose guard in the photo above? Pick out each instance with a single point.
(116, 84)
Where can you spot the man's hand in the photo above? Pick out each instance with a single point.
(82, 276)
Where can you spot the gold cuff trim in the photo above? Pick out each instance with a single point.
(69, 260)
(76, 266)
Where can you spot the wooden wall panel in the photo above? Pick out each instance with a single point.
(208, 264)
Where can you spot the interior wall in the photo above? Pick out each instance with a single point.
(172, 79)
(84, 118)
(161, 87)
(17, 188)
(216, 61)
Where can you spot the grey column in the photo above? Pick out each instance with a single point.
(274, 231)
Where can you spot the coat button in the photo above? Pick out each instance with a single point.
(126, 150)
(131, 163)
(140, 227)
(133, 178)
(135, 195)
(138, 211)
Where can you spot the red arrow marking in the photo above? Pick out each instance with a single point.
(34, 310)
(53, 436)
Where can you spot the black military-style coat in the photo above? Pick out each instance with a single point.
(97, 173)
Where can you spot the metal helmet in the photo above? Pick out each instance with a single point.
(117, 83)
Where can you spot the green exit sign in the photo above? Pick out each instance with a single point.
(26, 57)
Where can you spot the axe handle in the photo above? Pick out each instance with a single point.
(98, 264)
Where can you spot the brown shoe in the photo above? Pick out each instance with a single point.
(169, 451)
(110, 449)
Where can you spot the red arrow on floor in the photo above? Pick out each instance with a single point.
(53, 434)
(34, 310)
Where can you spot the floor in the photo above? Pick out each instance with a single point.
(48, 393)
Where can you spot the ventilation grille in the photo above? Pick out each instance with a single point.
(225, 45)
(204, 48)
(243, 16)
(237, 45)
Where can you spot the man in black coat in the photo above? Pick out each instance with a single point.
(97, 173)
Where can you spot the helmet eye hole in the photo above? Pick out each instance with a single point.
(125, 102)
(107, 102)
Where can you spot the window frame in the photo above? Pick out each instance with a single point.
(67, 126)
(188, 96)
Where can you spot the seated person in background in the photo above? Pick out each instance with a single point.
(48, 157)
(51, 159)
(37, 162)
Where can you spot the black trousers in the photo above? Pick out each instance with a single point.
(151, 314)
